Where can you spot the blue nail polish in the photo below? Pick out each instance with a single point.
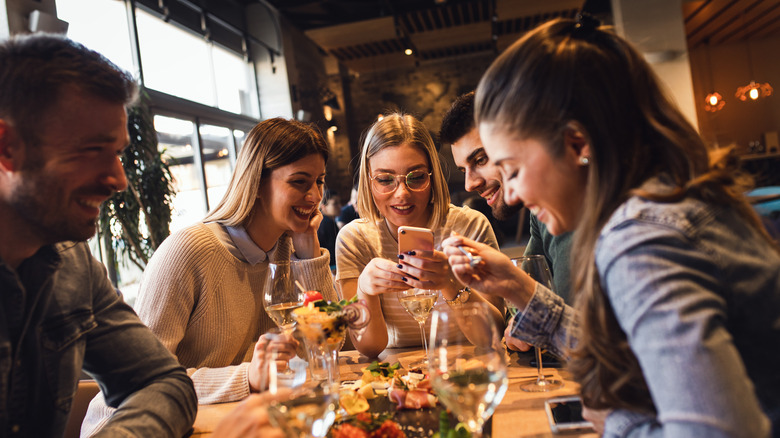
(399, 266)
(411, 253)
(403, 278)
(401, 256)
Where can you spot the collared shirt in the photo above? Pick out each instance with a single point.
(59, 314)
(242, 246)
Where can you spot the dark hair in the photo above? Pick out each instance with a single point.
(575, 72)
(328, 194)
(458, 120)
(35, 69)
(271, 144)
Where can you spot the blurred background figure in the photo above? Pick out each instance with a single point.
(348, 212)
(330, 208)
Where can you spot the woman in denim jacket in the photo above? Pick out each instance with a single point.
(676, 326)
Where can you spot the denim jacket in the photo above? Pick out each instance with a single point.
(59, 314)
(697, 293)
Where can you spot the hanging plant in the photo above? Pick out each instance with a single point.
(137, 220)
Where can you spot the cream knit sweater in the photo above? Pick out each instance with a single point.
(206, 306)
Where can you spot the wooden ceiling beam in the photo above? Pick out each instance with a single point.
(377, 29)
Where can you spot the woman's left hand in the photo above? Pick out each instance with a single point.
(597, 417)
(306, 243)
(426, 269)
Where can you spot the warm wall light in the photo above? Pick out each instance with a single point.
(408, 52)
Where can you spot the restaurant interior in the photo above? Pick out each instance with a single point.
(211, 69)
(342, 63)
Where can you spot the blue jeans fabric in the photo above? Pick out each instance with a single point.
(59, 314)
(697, 293)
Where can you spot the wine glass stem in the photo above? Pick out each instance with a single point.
(539, 370)
(425, 342)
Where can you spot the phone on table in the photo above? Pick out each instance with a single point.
(414, 239)
(565, 415)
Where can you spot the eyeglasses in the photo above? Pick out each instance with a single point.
(415, 180)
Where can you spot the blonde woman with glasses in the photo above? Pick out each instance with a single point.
(402, 184)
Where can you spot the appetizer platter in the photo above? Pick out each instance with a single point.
(389, 401)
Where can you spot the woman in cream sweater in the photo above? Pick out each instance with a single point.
(202, 292)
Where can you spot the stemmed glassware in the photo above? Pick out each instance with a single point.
(281, 296)
(419, 303)
(467, 363)
(536, 266)
(304, 408)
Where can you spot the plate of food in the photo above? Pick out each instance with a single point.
(390, 401)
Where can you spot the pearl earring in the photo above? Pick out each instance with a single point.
(584, 161)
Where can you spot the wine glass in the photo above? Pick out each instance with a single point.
(280, 368)
(419, 303)
(309, 411)
(536, 266)
(467, 363)
(281, 296)
(303, 408)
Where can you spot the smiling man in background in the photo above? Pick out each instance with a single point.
(482, 177)
(63, 127)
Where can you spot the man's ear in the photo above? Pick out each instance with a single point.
(576, 139)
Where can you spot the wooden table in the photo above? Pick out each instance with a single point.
(520, 414)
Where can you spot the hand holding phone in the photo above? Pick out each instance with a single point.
(565, 415)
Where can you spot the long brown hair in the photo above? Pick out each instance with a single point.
(577, 71)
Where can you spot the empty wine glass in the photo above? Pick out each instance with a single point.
(467, 366)
(536, 267)
(281, 368)
(281, 296)
(419, 303)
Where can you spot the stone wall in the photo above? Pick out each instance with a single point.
(426, 91)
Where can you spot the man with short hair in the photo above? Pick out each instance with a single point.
(459, 130)
(63, 127)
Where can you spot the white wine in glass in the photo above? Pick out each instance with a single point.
(468, 366)
(308, 412)
(536, 267)
(281, 296)
(419, 303)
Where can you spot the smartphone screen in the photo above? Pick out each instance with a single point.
(567, 412)
(565, 415)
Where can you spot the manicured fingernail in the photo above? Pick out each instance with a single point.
(401, 256)
(404, 279)
(399, 266)
(411, 253)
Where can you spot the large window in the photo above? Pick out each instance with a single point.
(100, 25)
(204, 98)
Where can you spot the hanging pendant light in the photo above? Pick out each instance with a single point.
(714, 101)
(754, 90)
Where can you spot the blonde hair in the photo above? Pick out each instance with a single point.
(271, 144)
(392, 130)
